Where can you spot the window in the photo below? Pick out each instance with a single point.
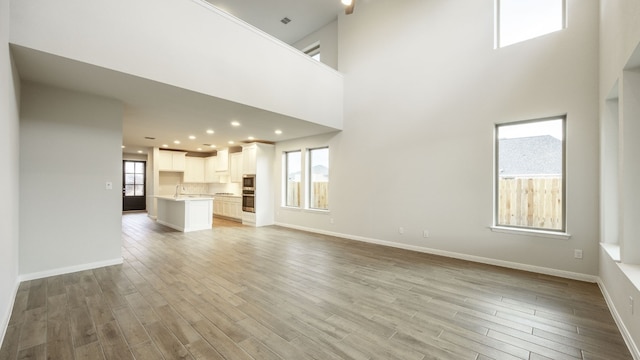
(313, 51)
(520, 20)
(318, 178)
(530, 167)
(293, 163)
(133, 178)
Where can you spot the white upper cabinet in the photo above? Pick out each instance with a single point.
(223, 161)
(172, 160)
(195, 170)
(210, 166)
(249, 159)
(236, 167)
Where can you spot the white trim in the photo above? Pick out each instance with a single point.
(70, 269)
(450, 254)
(7, 317)
(531, 232)
(613, 250)
(633, 348)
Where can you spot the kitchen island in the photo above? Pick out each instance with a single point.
(186, 212)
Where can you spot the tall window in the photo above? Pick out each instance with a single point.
(520, 20)
(318, 178)
(530, 167)
(293, 163)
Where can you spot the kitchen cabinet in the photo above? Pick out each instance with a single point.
(172, 160)
(236, 167)
(210, 165)
(194, 170)
(249, 156)
(185, 213)
(228, 207)
(222, 165)
(258, 159)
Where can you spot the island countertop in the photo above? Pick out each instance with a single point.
(185, 197)
(186, 212)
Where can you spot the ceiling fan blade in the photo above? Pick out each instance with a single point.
(349, 9)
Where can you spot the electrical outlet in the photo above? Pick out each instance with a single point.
(577, 253)
(109, 185)
(425, 233)
(401, 230)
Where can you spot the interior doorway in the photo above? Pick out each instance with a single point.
(133, 189)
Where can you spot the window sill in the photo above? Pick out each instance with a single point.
(318, 211)
(529, 232)
(314, 211)
(613, 250)
(632, 272)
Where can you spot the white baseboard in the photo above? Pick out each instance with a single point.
(69, 269)
(633, 347)
(450, 254)
(7, 316)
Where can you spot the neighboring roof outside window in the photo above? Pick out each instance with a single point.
(535, 155)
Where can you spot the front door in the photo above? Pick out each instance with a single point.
(133, 189)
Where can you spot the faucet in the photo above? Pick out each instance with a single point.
(177, 191)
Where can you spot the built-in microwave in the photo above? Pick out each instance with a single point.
(248, 182)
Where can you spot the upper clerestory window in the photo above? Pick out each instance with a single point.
(520, 20)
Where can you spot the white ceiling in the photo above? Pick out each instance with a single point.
(306, 15)
(168, 113)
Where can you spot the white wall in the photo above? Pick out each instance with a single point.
(9, 176)
(328, 38)
(184, 44)
(619, 37)
(423, 89)
(70, 146)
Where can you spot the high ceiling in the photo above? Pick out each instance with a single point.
(166, 113)
(306, 15)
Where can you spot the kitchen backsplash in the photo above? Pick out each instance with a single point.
(195, 188)
(231, 188)
(169, 180)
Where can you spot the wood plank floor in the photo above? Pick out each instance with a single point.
(238, 292)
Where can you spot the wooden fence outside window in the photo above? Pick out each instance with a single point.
(319, 198)
(534, 202)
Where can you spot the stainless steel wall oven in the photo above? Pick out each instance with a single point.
(249, 193)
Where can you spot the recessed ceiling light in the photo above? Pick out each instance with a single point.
(199, 149)
(139, 151)
(210, 131)
(251, 138)
(235, 123)
(165, 145)
(212, 146)
(347, 2)
(278, 132)
(192, 137)
(231, 142)
(123, 146)
(176, 142)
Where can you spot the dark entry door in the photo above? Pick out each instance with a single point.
(133, 189)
